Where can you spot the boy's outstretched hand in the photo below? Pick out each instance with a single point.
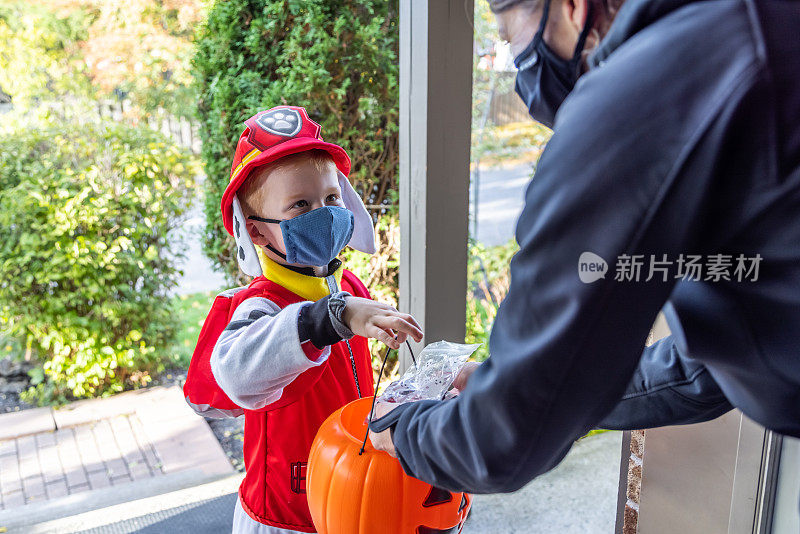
(369, 318)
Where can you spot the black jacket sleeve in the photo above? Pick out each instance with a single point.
(667, 389)
(627, 175)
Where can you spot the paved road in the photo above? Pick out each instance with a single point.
(198, 275)
(500, 199)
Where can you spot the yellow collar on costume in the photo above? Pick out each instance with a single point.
(308, 287)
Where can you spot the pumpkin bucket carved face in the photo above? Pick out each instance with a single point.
(369, 493)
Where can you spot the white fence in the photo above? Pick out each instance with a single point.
(180, 129)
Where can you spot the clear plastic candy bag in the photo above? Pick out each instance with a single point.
(437, 366)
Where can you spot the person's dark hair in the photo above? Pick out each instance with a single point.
(607, 9)
(498, 6)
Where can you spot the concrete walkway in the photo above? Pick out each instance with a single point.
(203, 509)
(96, 453)
(577, 497)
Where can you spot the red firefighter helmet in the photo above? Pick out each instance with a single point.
(270, 135)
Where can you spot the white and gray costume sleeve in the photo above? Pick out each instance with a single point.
(264, 348)
(259, 353)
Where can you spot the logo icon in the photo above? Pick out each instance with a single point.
(591, 267)
(298, 479)
(282, 121)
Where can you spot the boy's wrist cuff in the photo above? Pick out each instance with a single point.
(336, 305)
(314, 324)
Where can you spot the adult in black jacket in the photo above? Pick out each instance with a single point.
(681, 138)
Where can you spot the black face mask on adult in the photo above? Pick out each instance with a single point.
(544, 79)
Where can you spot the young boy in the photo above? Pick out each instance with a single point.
(292, 345)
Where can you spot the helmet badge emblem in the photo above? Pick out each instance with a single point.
(282, 121)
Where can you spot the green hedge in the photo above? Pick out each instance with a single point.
(86, 212)
(337, 58)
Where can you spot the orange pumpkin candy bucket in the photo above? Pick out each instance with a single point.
(369, 493)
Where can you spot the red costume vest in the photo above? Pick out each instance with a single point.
(277, 438)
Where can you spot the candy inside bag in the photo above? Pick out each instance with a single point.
(437, 366)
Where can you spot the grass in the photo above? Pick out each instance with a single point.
(10, 347)
(192, 309)
(594, 433)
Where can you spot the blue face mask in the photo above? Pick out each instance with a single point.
(543, 78)
(316, 237)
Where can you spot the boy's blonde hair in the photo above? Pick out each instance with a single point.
(251, 193)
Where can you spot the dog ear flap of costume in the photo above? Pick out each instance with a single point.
(363, 238)
(245, 249)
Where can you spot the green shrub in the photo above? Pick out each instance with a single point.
(86, 268)
(337, 58)
(488, 281)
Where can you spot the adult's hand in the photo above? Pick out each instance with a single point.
(382, 441)
(463, 376)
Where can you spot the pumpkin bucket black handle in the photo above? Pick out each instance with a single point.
(377, 384)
